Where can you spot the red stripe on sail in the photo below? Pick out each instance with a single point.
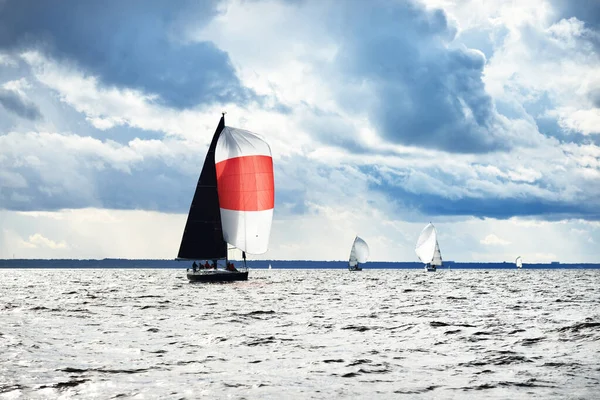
(246, 183)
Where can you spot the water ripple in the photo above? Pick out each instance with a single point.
(300, 334)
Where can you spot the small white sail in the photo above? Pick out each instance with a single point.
(519, 262)
(437, 256)
(427, 244)
(359, 252)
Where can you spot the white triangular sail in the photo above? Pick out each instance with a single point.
(427, 244)
(437, 256)
(246, 189)
(519, 262)
(359, 252)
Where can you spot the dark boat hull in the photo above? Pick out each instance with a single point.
(217, 276)
(354, 269)
(431, 268)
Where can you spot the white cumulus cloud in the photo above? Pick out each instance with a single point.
(493, 240)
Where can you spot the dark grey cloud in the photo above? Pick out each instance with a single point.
(426, 94)
(135, 44)
(150, 187)
(549, 126)
(595, 97)
(332, 129)
(12, 102)
(587, 11)
(546, 209)
(488, 206)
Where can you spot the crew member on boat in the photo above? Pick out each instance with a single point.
(230, 267)
(194, 266)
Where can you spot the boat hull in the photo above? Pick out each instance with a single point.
(431, 268)
(217, 276)
(354, 269)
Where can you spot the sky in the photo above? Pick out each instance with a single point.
(382, 116)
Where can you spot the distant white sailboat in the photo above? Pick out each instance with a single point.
(519, 262)
(358, 254)
(269, 266)
(428, 249)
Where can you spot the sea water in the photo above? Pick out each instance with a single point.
(300, 334)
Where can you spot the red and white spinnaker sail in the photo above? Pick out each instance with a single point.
(246, 189)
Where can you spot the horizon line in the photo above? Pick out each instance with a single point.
(290, 260)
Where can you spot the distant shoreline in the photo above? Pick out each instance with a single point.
(110, 263)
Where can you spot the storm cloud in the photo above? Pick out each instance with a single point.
(587, 11)
(12, 102)
(394, 91)
(134, 44)
(421, 91)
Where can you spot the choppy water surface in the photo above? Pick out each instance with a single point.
(300, 334)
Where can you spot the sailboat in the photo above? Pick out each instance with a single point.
(428, 249)
(519, 262)
(232, 205)
(358, 254)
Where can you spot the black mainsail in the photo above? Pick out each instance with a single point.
(203, 235)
